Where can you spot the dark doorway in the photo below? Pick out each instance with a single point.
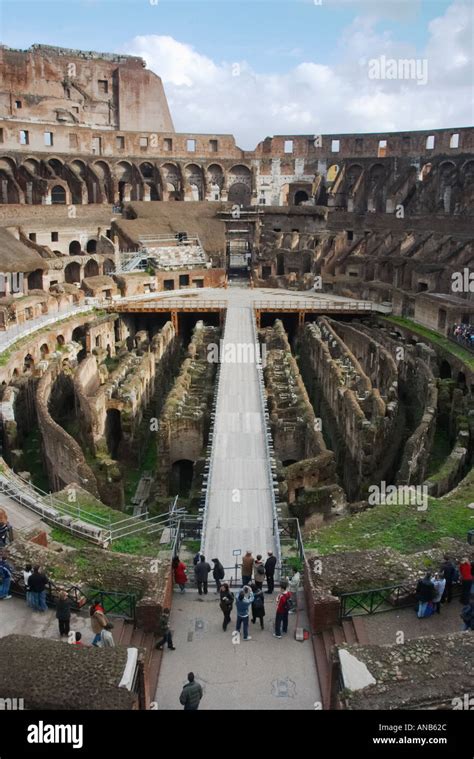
(181, 477)
(113, 431)
(300, 197)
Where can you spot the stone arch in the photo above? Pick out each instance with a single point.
(28, 363)
(60, 338)
(147, 170)
(124, 175)
(79, 168)
(56, 166)
(7, 164)
(8, 188)
(376, 172)
(91, 246)
(103, 173)
(44, 350)
(75, 248)
(240, 184)
(35, 280)
(171, 180)
(72, 273)
(58, 195)
(240, 194)
(91, 269)
(109, 266)
(445, 371)
(352, 174)
(32, 164)
(300, 197)
(194, 181)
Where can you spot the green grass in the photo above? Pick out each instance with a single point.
(403, 528)
(434, 337)
(140, 545)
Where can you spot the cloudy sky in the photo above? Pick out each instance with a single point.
(268, 67)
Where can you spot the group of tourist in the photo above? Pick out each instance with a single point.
(249, 601)
(434, 589)
(464, 333)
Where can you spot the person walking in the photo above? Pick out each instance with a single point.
(191, 694)
(106, 637)
(6, 574)
(165, 632)
(467, 614)
(226, 603)
(247, 568)
(283, 605)
(258, 604)
(439, 583)
(37, 583)
(179, 571)
(425, 593)
(202, 570)
(63, 613)
(466, 580)
(218, 573)
(98, 620)
(26, 576)
(294, 585)
(451, 575)
(270, 565)
(259, 572)
(243, 603)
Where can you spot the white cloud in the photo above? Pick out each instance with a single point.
(208, 96)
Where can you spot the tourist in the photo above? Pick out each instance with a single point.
(258, 604)
(226, 603)
(63, 613)
(106, 637)
(179, 571)
(439, 584)
(247, 568)
(243, 603)
(191, 694)
(37, 584)
(425, 593)
(26, 576)
(6, 574)
(294, 585)
(283, 606)
(451, 575)
(202, 572)
(77, 639)
(259, 572)
(467, 614)
(466, 580)
(98, 620)
(270, 571)
(6, 533)
(218, 573)
(165, 632)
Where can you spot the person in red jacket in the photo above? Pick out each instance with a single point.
(283, 601)
(180, 576)
(465, 573)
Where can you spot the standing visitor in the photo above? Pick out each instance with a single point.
(98, 620)
(283, 606)
(466, 580)
(259, 572)
(37, 584)
(247, 568)
(270, 565)
(467, 615)
(451, 575)
(258, 604)
(6, 574)
(243, 603)
(439, 583)
(191, 694)
(106, 637)
(218, 573)
(26, 576)
(202, 572)
(425, 593)
(226, 603)
(63, 613)
(294, 585)
(179, 571)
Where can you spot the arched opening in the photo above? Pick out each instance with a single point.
(60, 340)
(113, 431)
(445, 370)
(79, 336)
(75, 248)
(462, 381)
(239, 194)
(35, 280)
(91, 269)
(72, 273)
(109, 266)
(91, 246)
(44, 350)
(28, 363)
(62, 404)
(300, 197)
(146, 170)
(58, 195)
(280, 264)
(98, 341)
(181, 477)
(56, 166)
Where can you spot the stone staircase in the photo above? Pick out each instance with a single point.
(125, 634)
(351, 631)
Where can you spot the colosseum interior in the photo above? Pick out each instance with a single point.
(129, 251)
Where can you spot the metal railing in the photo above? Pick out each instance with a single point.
(376, 600)
(318, 305)
(18, 331)
(207, 476)
(272, 483)
(289, 528)
(167, 304)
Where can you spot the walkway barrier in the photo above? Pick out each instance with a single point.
(19, 331)
(318, 305)
(376, 600)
